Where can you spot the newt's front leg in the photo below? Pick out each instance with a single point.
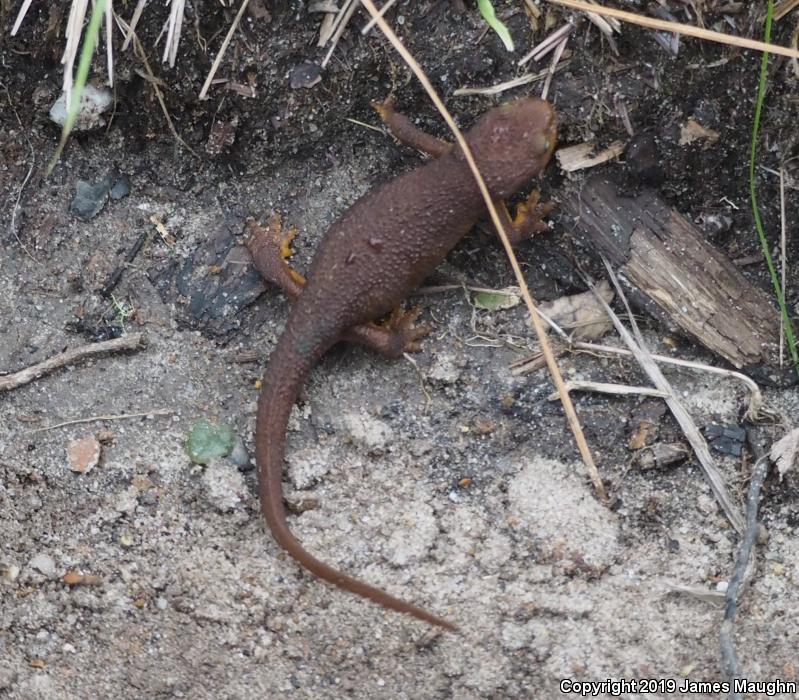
(405, 131)
(270, 250)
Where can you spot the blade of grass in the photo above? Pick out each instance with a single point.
(761, 94)
(89, 42)
(487, 10)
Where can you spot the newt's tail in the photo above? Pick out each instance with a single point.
(284, 376)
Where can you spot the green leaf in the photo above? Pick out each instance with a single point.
(487, 10)
(209, 441)
(496, 301)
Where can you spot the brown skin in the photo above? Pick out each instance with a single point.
(374, 256)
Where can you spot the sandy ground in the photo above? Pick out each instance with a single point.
(195, 599)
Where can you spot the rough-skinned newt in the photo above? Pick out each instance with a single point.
(369, 260)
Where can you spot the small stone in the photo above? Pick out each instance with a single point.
(239, 455)
(305, 75)
(94, 102)
(44, 564)
(83, 454)
(89, 198)
(444, 370)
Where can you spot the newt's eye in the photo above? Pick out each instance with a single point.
(541, 143)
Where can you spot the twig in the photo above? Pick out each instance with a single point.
(754, 411)
(415, 364)
(554, 370)
(677, 28)
(92, 419)
(132, 341)
(222, 49)
(692, 434)
(729, 658)
(114, 277)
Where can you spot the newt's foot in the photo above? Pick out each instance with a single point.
(408, 336)
(270, 248)
(529, 217)
(395, 336)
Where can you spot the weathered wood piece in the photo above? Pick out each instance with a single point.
(669, 262)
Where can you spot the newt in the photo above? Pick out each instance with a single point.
(371, 258)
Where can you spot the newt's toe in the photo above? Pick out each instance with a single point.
(529, 216)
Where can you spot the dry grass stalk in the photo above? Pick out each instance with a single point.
(175, 24)
(695, 438)
(678, 28)
(222, 49)
(543, 48)
(783, 8)
(510, 84)
(20, 16)
(133, 22)
(615, 389)
(343, 19)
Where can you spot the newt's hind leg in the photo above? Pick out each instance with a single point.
(528, 220)
(270, 248)
(392, 338)
(405, 131)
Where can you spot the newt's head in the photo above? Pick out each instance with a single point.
(512, 143)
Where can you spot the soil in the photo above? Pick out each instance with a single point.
(449, 481)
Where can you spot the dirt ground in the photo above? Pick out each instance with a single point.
(451, 482)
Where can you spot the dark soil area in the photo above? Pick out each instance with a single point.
(453, 483)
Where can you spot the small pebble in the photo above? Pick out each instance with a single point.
(83, 454)
(93, 102)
